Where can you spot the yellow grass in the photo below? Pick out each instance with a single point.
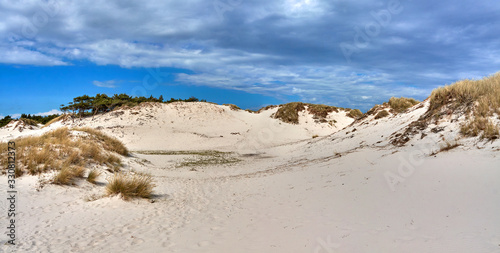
(109, 143)
(93, 175)
(401, 104)
(480, 99)
(130, 186)
(58, 149)
(54, 120)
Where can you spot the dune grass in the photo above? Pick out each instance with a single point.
(289, 113)
(109, 143)
(67, 175)
(60, 149)
(480, 99)
(93, 175)
(130, 186)
(401, 104)
(58, 118)
(233, 107)
(355, 114)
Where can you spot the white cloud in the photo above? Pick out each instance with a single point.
(105, 84)
(51, 112)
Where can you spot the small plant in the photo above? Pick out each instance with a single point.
(93, 175)
(315, 136)
(381, 114)
(130, 186)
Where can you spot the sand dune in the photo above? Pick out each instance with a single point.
(280, 190)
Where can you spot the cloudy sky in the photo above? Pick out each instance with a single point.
(251, 53)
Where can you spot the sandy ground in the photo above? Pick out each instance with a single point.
(348, 190)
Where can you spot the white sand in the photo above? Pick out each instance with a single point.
(290, 192)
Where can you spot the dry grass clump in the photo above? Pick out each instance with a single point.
(109, 143)
(233, 107)
(289, 113)
(401, 104)
(381, 114)
(93, 175)
(130, 186)
(355, 114)
(67, 175)
(58, 150)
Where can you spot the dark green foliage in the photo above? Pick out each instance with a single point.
(5, 121)
(86, 105)
(28, 119)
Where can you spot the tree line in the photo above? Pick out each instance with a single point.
(100, 103)
(87, 105)
(30, 119)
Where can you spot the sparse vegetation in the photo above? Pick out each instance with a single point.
(201, 158)
(354, 113)
(289, 113)
(400, 105)
(321, 111)
(446, 147)
(233, 107)
(130, 186)
(381, 114)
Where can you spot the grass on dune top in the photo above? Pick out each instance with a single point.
(480, 99)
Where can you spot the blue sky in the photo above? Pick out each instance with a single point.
(250, 53)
